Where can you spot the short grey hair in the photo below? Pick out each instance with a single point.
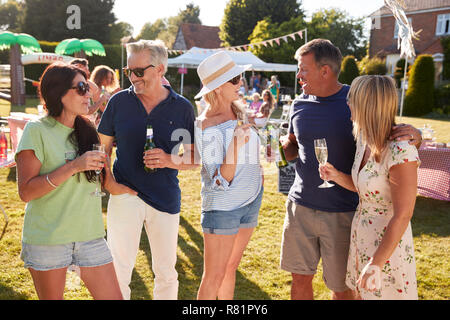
(325, 53)
(156, 49)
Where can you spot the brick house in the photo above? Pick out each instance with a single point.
(430, 16)
(196, 35)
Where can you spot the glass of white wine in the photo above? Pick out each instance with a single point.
(320, 147)
(98, 193)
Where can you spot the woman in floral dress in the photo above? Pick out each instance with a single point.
(381, 263)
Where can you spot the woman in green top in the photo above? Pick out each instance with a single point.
(63, 223)
(274, 88)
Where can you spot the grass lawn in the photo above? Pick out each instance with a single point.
(259, 275)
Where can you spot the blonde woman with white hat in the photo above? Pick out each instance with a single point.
(232, 181)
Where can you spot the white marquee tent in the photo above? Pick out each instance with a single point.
(192, 58)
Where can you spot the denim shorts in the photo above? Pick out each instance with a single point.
(228, 222)
(91, 253)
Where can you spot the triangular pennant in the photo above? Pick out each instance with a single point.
(277, 40)
(285, 38)
(300, 33)
(292, 36)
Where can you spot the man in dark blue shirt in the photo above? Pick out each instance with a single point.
(139, 197)
(318, 220)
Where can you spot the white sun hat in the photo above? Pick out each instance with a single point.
(216, 70)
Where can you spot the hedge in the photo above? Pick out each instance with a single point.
(419, 98)
(445, 42)
(349, 70)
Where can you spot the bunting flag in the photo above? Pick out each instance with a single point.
(248, 46)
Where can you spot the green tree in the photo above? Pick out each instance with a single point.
(419, 98)
(399, 71)
(191, 14)
(349, 70)
(120, 30)
(166, 29)
(345, 32)
(445, 42)
(324, 23)
(284, 53)
(11, 15)
(241, 17)
(372, 66)
(47, 19)
(150, 31)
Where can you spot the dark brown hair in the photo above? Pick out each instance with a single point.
(81, 61)
(325, 53)
(55, 82)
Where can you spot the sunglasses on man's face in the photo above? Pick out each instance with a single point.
(235, 80)
(138, 72)
(82, 88)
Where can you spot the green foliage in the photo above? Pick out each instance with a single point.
(166, 29)
(445, 42)
(345, 33)
(150, 31)
(284, 53)
(241, 17)
(372, 66)
(191, 14)
(399, 71)
(349, 70)
(11, 15)
(442, 99)
(419, 98)
(120, 30)
(47, 19)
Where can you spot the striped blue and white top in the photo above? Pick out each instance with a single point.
(212, 144)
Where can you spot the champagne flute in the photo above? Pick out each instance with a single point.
(320, 147)
(98, 193)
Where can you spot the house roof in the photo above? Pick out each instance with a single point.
(414, 5)
(197, 35)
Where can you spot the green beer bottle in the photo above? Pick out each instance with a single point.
(281, 158)
(149, 144)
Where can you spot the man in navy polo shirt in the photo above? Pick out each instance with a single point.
(138, 197)
(318, 220)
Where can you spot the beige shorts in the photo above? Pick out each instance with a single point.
(309, 235)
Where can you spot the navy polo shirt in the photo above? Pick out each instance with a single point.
(314, 118)
(126, 119)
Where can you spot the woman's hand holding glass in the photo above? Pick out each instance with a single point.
(328, 172)
(90, 160)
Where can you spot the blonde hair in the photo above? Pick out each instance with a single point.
(237, 107)
(257, 95)
(373, 100)
(156, 49)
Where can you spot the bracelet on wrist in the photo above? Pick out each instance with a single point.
(50, 183)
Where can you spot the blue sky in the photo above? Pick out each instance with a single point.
(138, 12)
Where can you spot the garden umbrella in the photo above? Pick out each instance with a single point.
(15, 42)
(74, 45)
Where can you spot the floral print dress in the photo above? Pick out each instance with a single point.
(375, 210)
